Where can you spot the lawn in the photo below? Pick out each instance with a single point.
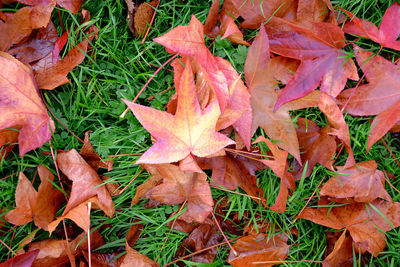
(116, 68)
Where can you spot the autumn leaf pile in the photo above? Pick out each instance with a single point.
(218, 130)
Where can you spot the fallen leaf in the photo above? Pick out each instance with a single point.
(342, 254)
(48, 200)
(37, 47)
(179, 186)
(143, 16)
(316, 145)
(50, 75)
(20, 104)
(134, 258)
(360, 183)
(53, 252)
(190, 130)
(85, 182)
(338, 125)
(262, 75)
(387, 33)
(25, 198)
(323, 62)
(381, 96)
(279, 166)
(258, 248)
(7, 137)
(40, 206)
(23, 260)
(363, 221)
(188, 41)
(92, 158)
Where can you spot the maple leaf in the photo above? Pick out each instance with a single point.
(20, 104)
(38, 47)
(317, 146)
(387, 33)
(323, 62)
(258, 248)
(40, 206)
(381, 96)
(170, 185)
(227, 28)
(262, 75)
(342, 253)
(190, 130)
(7, 137)
(365, 222)
(188, 40)
(49, 74)
(91, 157)
(338, 125)
(361, 183)
(23, 260)
(54, 252)
(86, 182)
(231, 172)
(279, 166)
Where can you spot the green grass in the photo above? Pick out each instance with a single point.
(118, 68)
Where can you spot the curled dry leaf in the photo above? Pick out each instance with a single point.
(7, 137)
(170, 185)
(40, 206)
(260, 247)
(142, 17)
(360, 183)
(20, 104)
(53, 252)
(23, 260)
(364, 221)
(85, 182)
(92, 158)
(316, 145)
(190, 130)
(279, 166)
(381, 96)
(387, 33)
(342, 253)
(338, 125)
(49, 74)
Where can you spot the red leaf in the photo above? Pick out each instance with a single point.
(381, 96)
(322, 60)
(22, 105)
(23, 260)
(387, 33)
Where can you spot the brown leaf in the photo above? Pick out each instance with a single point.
(50, 75)
(360, 183)
(53, 251)
(92, 158)
(317, 146)
(338, 125)
(25, 198)
(143, 16)
(48, 200)
(279, 166)
(37, 47)
(342, 254)
(180, 186)
(21, 105)
(258, 248)
(7, 137)
(86, 182)
(134, 258)
(16, 27)
(363, 222)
